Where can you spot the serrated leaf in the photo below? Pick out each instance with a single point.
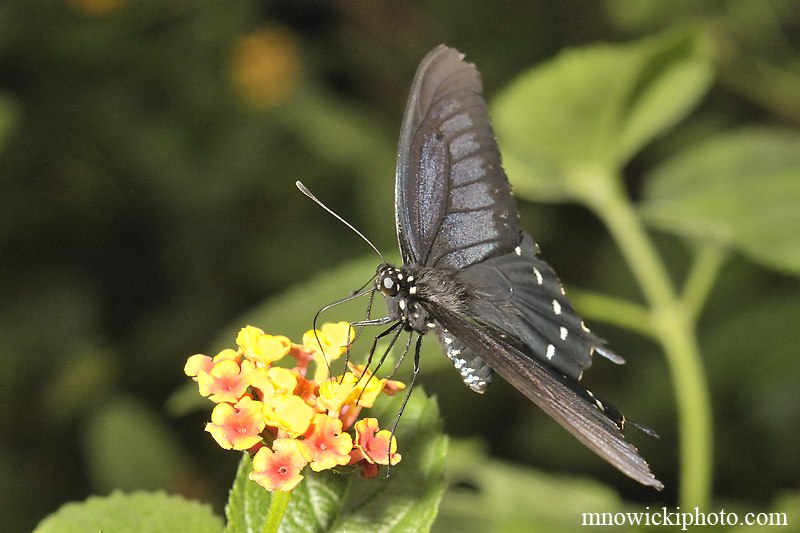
(741, 189)
(316, 502)
(593, 108)
(248, 502)
(133, 513)
(406, 501)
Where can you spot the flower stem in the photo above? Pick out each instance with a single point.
(673, 325)
(278, 503)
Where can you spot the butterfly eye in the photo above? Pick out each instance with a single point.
(389, 285)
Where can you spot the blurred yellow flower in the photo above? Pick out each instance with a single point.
(265, 67)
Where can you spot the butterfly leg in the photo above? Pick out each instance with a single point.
(385, 352)
(408, 395)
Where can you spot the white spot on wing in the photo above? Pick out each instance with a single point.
(551, 351)
(556, 307)
(518, 250)
(564, 333)
(538, 275)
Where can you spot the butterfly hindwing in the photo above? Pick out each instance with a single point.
(453, 202)
(518, 293)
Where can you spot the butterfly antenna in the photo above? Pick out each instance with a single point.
(304, 190)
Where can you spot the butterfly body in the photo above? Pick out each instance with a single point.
(409, 291)
(473, 278)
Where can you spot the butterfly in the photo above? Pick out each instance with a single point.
(474, 279)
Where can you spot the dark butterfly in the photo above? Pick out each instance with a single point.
(472, 277)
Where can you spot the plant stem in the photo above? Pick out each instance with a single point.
(278, 503)
(701, 277)
(612, 310)
(673, 326)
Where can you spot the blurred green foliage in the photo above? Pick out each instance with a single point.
(147, 209)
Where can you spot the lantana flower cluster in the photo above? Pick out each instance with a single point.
(287, 419)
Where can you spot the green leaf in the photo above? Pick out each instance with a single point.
(152, 457)
(593, 108)
(133, 513)
(248, 502)
(316, 502)
(327, 501)
(741, 190)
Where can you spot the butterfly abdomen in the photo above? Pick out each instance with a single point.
(476, 373)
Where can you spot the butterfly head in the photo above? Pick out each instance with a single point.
(389, 280)
(399, 288)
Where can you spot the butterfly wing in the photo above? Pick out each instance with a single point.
(455, 213)
(592, 422)
(453, 203)
(519, 294)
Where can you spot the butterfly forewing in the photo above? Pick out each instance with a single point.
(453, 201)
